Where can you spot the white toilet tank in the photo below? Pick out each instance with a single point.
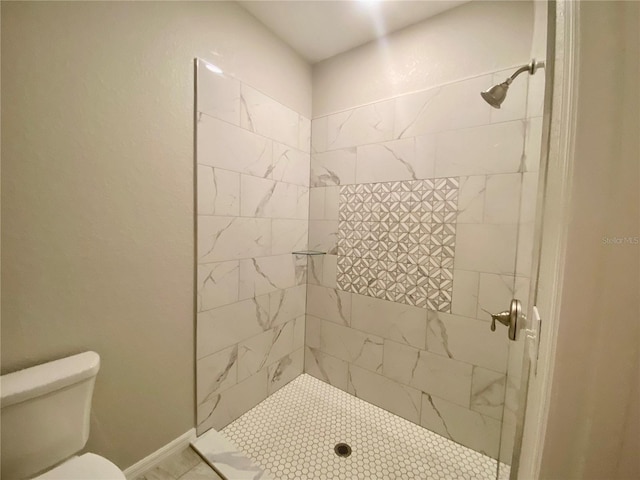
(45, 413)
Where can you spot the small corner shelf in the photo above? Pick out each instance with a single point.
(308, 252)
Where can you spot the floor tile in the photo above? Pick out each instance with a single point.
(292, 434)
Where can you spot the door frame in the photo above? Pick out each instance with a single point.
(559, 131)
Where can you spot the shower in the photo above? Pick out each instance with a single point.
(496, 94)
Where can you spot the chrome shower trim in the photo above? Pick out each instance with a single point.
(495, 95)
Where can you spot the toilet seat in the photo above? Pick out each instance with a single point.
(85, 467)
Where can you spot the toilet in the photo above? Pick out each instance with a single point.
(45, 413)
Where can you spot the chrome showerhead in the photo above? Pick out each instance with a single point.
(496, 94)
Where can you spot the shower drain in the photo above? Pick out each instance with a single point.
(342, 450)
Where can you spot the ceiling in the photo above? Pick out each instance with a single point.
(321, 29)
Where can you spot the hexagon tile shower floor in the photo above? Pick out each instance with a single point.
(293, 434)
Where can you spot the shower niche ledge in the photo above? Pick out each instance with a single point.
(308, 252)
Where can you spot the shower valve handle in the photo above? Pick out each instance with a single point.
(508, 318)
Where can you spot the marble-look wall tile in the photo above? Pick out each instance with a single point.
(316, 203)
(426, 155)
(299, 332)
(533, 145)
(329, 304)
(471, 199)
(217, 284)
(521, 289)
(497, 148)
(398, 399)
(304, 137)
(319, 135)
(290, 165)
(315, 265)
(218, 94)
(329, 270)
(331, 203)
(535, 97)
(226, 146)
(323, 236)
(300, 269)
(487, 392)
(360, 126)
(494, 294)
(302, 210)
(256, 195)
(352, 346)
(253, 175)
(502, 204)
(461, 425)
(287, 304)
(263, 115)
(467, 340)
(513, 390)
(452, 106)
(326, 368)
(230, 238)
(223, 408)
(337, 167)
(285, 126)
(285, 370)
(529, 197)
(267, 198)
(313, 330)
(465, 293)
(225, 326)
(524, 257)
(434, 374)
(216, 373)
(289, 236)
(486, 248)
(218, 191)
(258, 352)
(507, 439)
(395, 321)
(323, 203)
(389, 161)
(262, 275)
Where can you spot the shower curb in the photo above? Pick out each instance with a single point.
(227, 459)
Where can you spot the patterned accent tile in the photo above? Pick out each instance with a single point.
(292, 435)
(396, 241)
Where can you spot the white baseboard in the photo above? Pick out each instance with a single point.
(150, 461)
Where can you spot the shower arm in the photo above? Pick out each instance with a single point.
(530, 67)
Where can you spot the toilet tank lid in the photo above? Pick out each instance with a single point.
(47, 377)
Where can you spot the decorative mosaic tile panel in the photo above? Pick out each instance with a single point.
(292, 435)
(396, 241)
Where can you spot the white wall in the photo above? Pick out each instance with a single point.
(593, 426)
(97, 194)
(475, 38)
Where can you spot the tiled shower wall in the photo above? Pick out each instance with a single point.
(440, 367)
(252, 212)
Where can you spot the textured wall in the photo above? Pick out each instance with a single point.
(97, 194)
(253, 208)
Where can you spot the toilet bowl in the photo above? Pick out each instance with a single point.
(45, 413)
